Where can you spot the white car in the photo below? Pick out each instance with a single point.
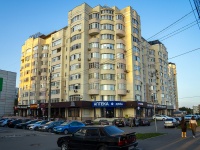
(159, 117)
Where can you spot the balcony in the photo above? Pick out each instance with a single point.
(94, 31)
(120, 33)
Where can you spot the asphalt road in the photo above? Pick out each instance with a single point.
(19, 139)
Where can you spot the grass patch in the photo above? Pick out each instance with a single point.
(142, 136)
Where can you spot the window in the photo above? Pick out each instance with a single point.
(120, 26)
(76, 46)
(92, 132)
(28, 50)
(121, 86)
(108, 66)
(107, 36)
(94, 25)
(35, 48)
(94, 55)
(107, 76)
(93, 45)
(107, 46)
(94, 86)
(138, 87)
(74, 86)
(93, 65)
(94, 15)
(106, 87)
(73, 112)
(76, 18)
(57, 42)
(94, 76)
(75, 37)
(75, 56)
(136, 49)
(135, 30)
(107, 11)
(54, 59)
(134, 21)
(107, 56)
(108, 97)
(120, 17)
(121, 76)
(120, 56)
(135, 39)
(57, 91)
(107, 27)
(121, 66)
(137, 58)
(106, 17)
(76, 27)
(121, 45)
(136, 68)
(75, 66)
(138, 97)
(75, 76)
(56, 67)
(55, 51)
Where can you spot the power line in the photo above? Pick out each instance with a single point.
(194, 14)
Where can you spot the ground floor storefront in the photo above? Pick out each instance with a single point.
(82, 110)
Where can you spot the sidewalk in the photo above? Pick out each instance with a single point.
(172, 141)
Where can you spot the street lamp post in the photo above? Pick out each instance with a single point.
(154, 110)
(49, 102)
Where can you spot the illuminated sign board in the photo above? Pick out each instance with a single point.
(108, 104)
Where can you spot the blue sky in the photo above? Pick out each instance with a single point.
(22, 18)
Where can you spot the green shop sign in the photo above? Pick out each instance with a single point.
(1, 84)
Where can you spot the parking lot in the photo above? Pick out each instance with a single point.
(11, 138)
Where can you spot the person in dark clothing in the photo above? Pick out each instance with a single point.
(183, 125)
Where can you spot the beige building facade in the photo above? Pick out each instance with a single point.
(96, 65)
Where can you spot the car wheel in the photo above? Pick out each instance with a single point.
(36, 129)
(102, 147)
(163, 119)
(165, 127)
(49, 130)
(65, 131)
(64, 146)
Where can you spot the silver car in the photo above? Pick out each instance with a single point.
(170, 122)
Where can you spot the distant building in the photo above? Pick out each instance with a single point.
(196, 110)
(8, 93)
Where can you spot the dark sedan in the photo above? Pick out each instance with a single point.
(24, 125)
(98, 138)
(144, 122)
(118, 122)
(88, 122)
(13, 123)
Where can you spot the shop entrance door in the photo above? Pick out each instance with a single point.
(109, 112)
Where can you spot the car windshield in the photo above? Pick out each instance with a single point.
(29, 121)
(49, 122)
(38, 122)
(112, 130)
(65, 123)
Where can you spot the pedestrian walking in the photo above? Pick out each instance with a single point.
(183, 125)
(193, 126)
(131, 122)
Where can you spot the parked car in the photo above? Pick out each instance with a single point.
(178, 119)
(48, 127)
(144, 122)
(118, 122)
(135, 122)
(24, 125)
(68, 127)
(188, 117)
(170, 122)
(88, 122)
(98, 138)
(103, 122)
(5, 122)
(159, 117)
(36, 125)
(13, 123)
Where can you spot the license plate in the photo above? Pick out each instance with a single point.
(131, 148)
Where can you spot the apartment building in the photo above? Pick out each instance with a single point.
(7, 92)
(94, 67)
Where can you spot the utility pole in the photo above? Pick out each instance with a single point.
(49, 102)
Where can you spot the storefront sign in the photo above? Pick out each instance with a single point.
(108, 104)
(22, 107)
(33, 106)
(72, 104)
(161, 106)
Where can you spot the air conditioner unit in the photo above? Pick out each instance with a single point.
(79, 59)
(127, 91)
(79, 29)
(89, 49)
(125, 51)
(52, 38)
(89, 59)
(75, 91)
(92, 97)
